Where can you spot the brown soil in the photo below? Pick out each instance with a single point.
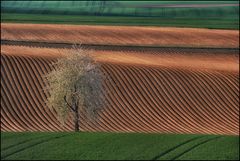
(127, 35)
(179, 59)
(150, 92)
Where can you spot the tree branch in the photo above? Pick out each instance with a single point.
(69, 106)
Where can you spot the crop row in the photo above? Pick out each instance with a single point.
(142, 99)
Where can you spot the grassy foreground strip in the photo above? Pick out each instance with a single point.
(211, 23)
(65, 146)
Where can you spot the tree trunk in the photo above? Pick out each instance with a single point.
(76, 121)
(76, 115)
(75, 107)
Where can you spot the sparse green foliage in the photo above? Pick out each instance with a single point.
(76, 85)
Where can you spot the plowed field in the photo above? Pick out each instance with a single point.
(157, 36)
(150, 92)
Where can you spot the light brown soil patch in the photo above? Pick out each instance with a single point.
(181, 60)
(125, 35)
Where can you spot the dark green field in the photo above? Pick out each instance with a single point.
(95, 146)
(106, 20)
(143, 13)
(121, 8)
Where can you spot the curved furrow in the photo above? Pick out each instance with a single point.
(12, 122)
(83, 124)
(7, 120)
(44, 66)
(141, 99)
(36, 103)
(41, 85)
(37, 86)
(222, 100)
(123, 106)
(200, 103)
(163, 95)
(233, 76)
(195, 113)
(148, 93)
(203, 98)
(11, 87)
(145, 92)
(16, 122)
(107, 119)
(182, 106)
(127, 107)
(114, 106)
(177, 104)
(35, 94)
(31, 93)
(110, 117)
(27, 96)
(184, 111)
(11, 115)
(105, 122)
(119, 117)
(220, 91)
(232, 81)
(195, 107)
(135, 90)
(215, 95)
(134, 96)
(6, 127)
(172, 105)
(224, 86)
(148, 107)
(229, 81)
(41, 65)
(111, 112)
(206, 104)
(160, 103)
(224, 115)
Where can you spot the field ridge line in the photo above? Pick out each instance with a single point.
(175, 147)
(50, 139)
(199, 144)
(54, 44)
(22, 142)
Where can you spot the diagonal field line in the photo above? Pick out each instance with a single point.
(3, 157)
(22, 142)
(179, 145)
(194, 147)
(33, 43)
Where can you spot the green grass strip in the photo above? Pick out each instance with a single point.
(200, 22)
(118, 146)
(27, 144)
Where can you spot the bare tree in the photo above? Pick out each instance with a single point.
(75, 85)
